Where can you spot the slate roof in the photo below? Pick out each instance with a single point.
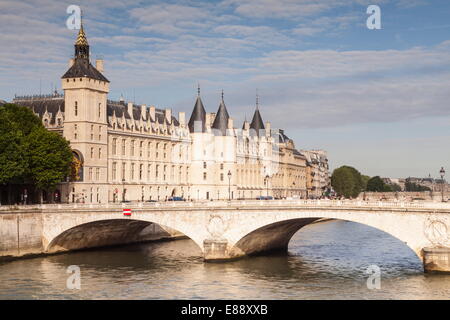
(257, 123)
(221, 121)
(40, 105)
(121, 109)
(83, 68)
(198, 115)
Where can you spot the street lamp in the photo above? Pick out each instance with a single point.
(442, 173)
(123, 189)
(229, 185)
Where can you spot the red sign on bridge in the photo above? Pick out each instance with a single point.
(127, 212)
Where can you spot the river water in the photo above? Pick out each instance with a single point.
(326, 260)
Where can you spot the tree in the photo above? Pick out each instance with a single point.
(29, 154)
(364, 180)
(346, 181)
(376, 184)
(49, 157)
(411, 186)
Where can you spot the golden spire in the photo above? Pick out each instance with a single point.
(81, 39)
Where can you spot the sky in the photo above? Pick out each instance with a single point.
(378, 100)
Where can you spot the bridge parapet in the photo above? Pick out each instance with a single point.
(235, 203)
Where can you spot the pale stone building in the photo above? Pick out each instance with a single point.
(124, 151)
(318, 177)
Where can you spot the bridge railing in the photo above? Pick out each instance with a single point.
(235, 203)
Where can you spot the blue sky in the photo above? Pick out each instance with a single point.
(375, 99)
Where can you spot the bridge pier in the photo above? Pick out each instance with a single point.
(436, 260)
(216, 250)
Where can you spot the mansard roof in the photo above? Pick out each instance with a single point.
(221, 121)
(83, 68)
(121, 109)
(282, 137)
(198, 115)
(40, 104)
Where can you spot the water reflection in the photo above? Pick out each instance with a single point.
(325, 261)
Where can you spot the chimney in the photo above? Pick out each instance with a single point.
(230, 123)
(209, 119)
(130, 109)
(71, 62)
(144, 111)
(152, 113)
(182, 118)
(168, 115)
(99, 65)
(267, 128)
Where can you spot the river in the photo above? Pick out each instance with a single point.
(326, 260)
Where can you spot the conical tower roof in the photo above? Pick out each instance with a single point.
(257, 123)
(221, 120)
(198, 117)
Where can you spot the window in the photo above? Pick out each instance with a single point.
(132, 147)
(132, 171)
(221, 177)
(157, 171)
(92, 153)
(99, 153)
(97, 174)
(99, 133)
(141, 147)
(141, 168)
(221, 166)
(114, 170)
(204, 175)
(114, 146)
(90, 174)
(123, 146)
(149, 172)
(164, 173)
(149, 146)
(124, 165)
(204, 165)
(92, 132)
(75, 135)
(76, 108)
(99, 110)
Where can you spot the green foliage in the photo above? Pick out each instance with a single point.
(347, 181)
(364, 180)
(28, 152)
(12, 149)
(411, 186)
(49, 157)
(376, 184)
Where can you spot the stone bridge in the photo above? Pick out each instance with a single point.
(229, 230)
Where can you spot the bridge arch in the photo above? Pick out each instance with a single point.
(270, 232)
(98, 230)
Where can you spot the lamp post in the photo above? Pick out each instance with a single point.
(123, 189)
(229, 185)
(442, 173)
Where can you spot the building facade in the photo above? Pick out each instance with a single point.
(128, 152)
